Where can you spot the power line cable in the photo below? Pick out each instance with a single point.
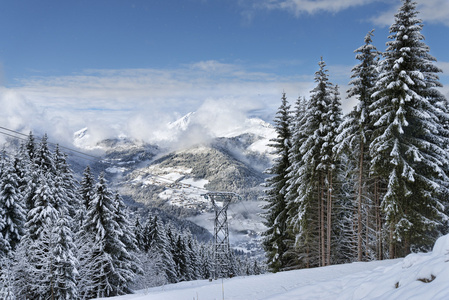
(51, 143)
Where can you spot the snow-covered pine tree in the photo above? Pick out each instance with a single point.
(101, 265)
(139, 234)
(87, 187)
(355, 136)
(275, 240)
(12, 212)
(43, 212)
(38, 242)
(329, 161)
(30, 146)
(149, 232)
(310, 169)
(127, 262)
(193, 254)
(86, 192)
(205, 261)
(66, 181)
(161, 254)
(302, 246)
(344, 239)
(64, 261)
(43, 158)
(409, 140)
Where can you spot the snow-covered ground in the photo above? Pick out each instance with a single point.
(418, 276)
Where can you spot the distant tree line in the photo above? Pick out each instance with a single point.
(369, 185)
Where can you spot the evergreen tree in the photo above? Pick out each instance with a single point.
(275, 241)
(329, 162)
(86, 189)
(12, 212)
(64, 261)
(30, 146)
(66, 181)
(86, 193)
(127, 262)
(356, 131)
(161, 254)
(108, 263)
(43, 158)
(139, 234)
(301, 246)
(409, 140)
(44, 213)
(310, 175)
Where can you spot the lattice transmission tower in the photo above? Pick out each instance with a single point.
(222, 249)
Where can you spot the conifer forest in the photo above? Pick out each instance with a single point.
(369, 185)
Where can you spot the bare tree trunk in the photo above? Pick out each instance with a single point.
(359, 206)
(379, 241)
(320, 262)
(323, 227)
(392, 253)
(329, 216)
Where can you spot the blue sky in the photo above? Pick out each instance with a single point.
(82, 63)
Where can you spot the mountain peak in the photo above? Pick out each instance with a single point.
(182, 123)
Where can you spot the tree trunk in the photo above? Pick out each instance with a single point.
(323, 228)
(359, 206)
(392, 252)
(379, 241)
(329, 216)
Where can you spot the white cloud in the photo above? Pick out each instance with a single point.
(299, 7)
(140, 102)
(430, 11)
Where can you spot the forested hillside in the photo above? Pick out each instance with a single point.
(64, 239)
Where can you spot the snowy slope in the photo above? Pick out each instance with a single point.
(418, 276)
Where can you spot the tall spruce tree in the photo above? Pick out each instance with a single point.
(329, 162)
(108, 275)
(356, 131)
(311, 172)
(127, 261)
(409, 139)
(275, 241)
(302, 246)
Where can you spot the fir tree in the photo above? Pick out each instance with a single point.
(310, 176)
(275, 241)
(301, 246)
(86, 193)
(409, 140)
(12, 212)
(161, 254)
(357, 128)
(107, 263)
(64, 261)
(127, 261)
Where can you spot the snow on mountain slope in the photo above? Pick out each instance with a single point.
(175, 179)
(422, 276)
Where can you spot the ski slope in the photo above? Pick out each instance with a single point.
(418, 276)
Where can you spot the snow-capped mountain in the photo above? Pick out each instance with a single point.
(175, 180)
